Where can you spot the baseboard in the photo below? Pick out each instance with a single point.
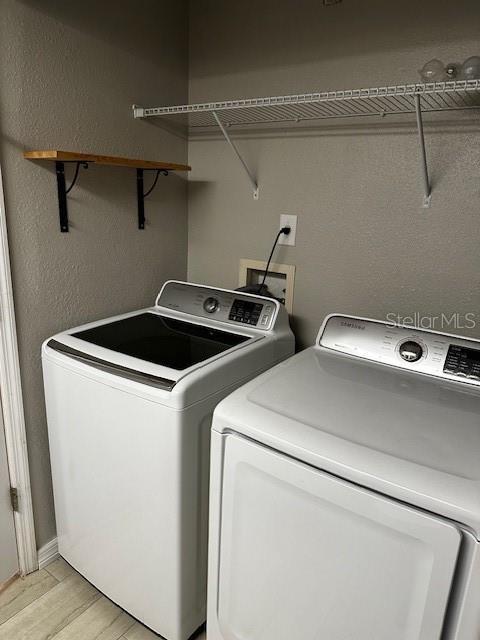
(7, 583)
(47, 553)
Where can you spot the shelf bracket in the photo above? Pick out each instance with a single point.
(63, 191)
(237, 153)
(141, 194)
(427, 198)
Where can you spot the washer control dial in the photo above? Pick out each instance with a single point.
(211, 304)
(411, 351)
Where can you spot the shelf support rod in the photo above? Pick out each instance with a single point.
(250, 175)
(423, 154)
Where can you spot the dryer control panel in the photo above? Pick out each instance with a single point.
(231, 307)
(463, 362)
(443, 355)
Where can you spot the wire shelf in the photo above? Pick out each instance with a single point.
(281, 111)
(380, 101)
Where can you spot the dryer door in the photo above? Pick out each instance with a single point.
(302, 554)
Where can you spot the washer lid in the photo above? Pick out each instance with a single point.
(409, 436)
(151, 348)
(161, 340)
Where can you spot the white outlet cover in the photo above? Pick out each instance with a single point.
(288, 221)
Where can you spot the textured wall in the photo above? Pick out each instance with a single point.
(69, 74)
(364, 244)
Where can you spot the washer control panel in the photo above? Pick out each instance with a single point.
(442, 355)
(232, 307)
(246, 311)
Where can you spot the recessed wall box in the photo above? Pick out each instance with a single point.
(280, 279)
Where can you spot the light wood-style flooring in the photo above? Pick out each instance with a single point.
(56, 603)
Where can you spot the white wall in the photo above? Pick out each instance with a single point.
(69, 73)
(364, 244)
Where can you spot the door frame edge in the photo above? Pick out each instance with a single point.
(13, 410)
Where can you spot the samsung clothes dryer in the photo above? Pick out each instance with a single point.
(345, 492)
(129, 407)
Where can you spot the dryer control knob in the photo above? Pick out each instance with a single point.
(210, 305)
(411, 351)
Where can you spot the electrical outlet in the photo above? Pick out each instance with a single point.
(288, 221)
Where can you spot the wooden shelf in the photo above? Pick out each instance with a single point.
(116, 161)
(85, 159)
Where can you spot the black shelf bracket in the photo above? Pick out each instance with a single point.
(141, 194)
(63, 191)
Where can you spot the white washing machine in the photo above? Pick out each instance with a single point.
(345, 492)
(129, 406)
